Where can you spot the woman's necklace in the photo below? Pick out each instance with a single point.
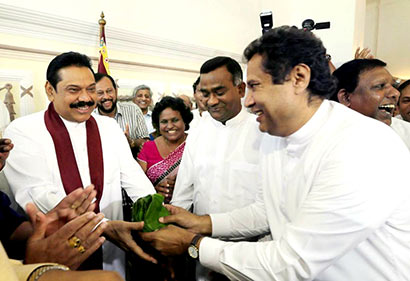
(170, 147)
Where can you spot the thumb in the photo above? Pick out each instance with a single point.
(136, 225)
(39, 227)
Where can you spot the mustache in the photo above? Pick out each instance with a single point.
(81, 104)
(104, 100)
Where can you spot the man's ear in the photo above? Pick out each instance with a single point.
(49, 91)
(300, 76)
(344, 97)
(241, 88)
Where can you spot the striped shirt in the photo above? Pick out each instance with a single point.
(132, 115)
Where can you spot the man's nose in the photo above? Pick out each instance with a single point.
(249, 102)
(213, 100)
(393, 94)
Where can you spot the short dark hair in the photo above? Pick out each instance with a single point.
(176, 104)
(98, 76)
(65, 60)
(231, 65)
(403, 85)
(284, 47)
(347, 75)
(196, 84)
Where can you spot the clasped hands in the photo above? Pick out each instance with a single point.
(175, 238)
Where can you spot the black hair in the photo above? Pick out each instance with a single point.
(347, 75)
(403, 85)
(196, 84)
(284, 47)
(98, 76)
(231, 65)
(65, 60)
(176, 104)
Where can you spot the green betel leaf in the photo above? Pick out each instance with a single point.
(149, 209)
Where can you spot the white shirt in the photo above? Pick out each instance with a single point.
(148, 122)
(33, 174)
(197, 117)
(337, 209)
(402, 128)
(218, 170)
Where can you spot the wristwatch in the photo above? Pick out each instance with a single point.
(193, 249)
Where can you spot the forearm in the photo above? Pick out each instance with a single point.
(80, 275)
(22, 232)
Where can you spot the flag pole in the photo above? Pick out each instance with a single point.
(103, 66)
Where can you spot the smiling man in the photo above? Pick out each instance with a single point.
(366, 86)
(65, 147)
(326, 199)
(404, 100)
(218, 171)
(128, 116)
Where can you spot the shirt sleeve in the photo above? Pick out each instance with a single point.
(27, 171)
(9, 219)
(133, 179)
(184, 185)
(346, 204)
(141, 130)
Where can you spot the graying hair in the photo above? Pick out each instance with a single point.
(141, 87)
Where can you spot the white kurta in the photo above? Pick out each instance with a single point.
(33, 174)
(336, 198)
(402, 128)
(218, 171)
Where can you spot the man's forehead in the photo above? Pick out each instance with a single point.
(215, 78)
(374, 73)
(106, 82)
(75, 74)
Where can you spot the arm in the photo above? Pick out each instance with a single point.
(28, 169)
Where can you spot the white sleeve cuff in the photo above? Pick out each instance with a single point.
(209, 253)
(220, 225)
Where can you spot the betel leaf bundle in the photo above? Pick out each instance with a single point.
(149, 209)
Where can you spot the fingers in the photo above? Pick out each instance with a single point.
(174, 209)
(74, 225)
(83, 207)
(137, 226)
(5, 145)
(138, 251)
(39, 227)
(31, 211)
(86, 231)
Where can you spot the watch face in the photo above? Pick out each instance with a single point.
(193, 251)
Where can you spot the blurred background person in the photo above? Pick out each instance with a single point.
(160, 158)
(142, 96)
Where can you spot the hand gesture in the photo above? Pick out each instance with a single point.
(73, 205)
(193, 223)
(119, 232)
(5, 147)
(127, 131)
(70, 245)
(169, 240)
(363, 54)
(166, 188)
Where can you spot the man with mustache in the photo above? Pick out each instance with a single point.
(366, 86)
(65, 147)
(128, 116)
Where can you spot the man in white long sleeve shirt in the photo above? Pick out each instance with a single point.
(64, 147)
(218, 172)
(336, 208)
(366, 86)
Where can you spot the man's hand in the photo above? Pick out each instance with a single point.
(363, 54)
(56, 247)
(193, 223)
(119, 232)
(73, 205)
(169, 240)
(5, 147)
(100, 275)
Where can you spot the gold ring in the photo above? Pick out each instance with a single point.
(74, 242)
(81, 249)
(73, 207)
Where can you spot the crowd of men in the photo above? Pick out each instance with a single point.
(306, 181)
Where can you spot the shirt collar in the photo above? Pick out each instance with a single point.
(234, 121)
(296, 142)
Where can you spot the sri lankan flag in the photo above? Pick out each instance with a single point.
(103, 66)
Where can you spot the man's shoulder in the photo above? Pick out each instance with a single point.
(28, 121)
(129, 108)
